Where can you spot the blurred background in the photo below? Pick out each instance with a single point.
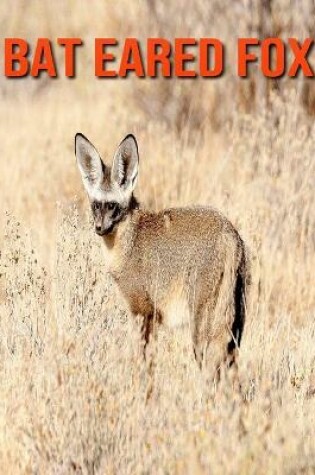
(73, 391)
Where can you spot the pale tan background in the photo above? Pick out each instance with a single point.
(72, 379)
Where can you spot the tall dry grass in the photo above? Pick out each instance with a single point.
(73, 382)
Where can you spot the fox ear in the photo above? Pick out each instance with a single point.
(126, 163)
(89, 162)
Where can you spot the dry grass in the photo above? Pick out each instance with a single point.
(73, 382)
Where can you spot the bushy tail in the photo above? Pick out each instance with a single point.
(242, 283)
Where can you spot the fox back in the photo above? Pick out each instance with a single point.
(181, 265)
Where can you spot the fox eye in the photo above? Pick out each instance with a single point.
(111, 205)
(97, 205)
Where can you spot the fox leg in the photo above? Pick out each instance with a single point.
(212, 327)
(149, 334)
(210, 350)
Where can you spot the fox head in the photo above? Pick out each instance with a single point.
(110, 189)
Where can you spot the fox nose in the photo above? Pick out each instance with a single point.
(98, 229)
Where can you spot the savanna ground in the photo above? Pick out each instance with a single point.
(73, 382)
